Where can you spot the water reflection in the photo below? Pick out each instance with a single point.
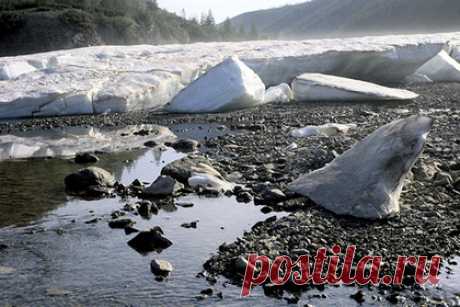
(30, 189)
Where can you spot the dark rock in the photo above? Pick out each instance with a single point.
(145, 209)
(117, 214)
(358, 297)
(273, 196)
(443, 179)
(185, 145)
(163, 186)
(266, 210)
(244, 197)
(93, 221)
(130, 230)
(149, 241)
(137, 185)
(207, 292)
(150, 144)
(190, 225)
(185, 205)
(121, 223)
(292, 300)
(89, 178)
(85, 158)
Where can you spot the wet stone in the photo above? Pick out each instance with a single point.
(193, 224)
(86, 158)
(161, 267)
(121, 223)
(149, 241)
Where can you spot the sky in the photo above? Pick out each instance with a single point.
(221, 8)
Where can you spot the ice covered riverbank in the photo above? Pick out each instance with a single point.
(109, 79)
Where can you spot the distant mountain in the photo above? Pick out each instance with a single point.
(353, 17)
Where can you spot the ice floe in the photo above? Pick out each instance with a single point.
(65, 143)
(331, 129)
(228, 86)
(320, 87)
(441, 68)
(125, 78)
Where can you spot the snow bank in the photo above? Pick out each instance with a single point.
(441, 68)
(324, 130)
(229, 86)
(319, 87)
(70, 141)
(96, 79)
(13, 70)
(279, 93)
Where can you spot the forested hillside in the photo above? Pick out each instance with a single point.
(28, 26)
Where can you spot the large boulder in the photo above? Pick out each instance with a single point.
(89, 178)
(441, 68)
(320, 87)
(149, 241)
(366, 181)
(163, 186)
(183, 169)
(228, 86)
(210, 182)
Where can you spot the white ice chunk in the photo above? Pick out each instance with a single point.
(366, 181)
(13, 70)
(279, 93)
(68, 142)
(209, 182)
(320, 87)
(331, 129)
(136, 91)
(228, 86)
(441, 68)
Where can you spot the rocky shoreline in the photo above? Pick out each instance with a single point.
(260, 155)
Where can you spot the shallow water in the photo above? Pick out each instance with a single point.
(52, 249)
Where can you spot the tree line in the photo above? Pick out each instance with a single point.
(132, 17)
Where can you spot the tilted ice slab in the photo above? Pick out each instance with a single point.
(67, 142)
(228, 86)
(366, 181)
(318, 87)
(441, 68)
(94, 79)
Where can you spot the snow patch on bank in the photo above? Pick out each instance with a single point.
(124, 78)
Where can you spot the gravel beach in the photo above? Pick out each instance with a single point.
(258, 155)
